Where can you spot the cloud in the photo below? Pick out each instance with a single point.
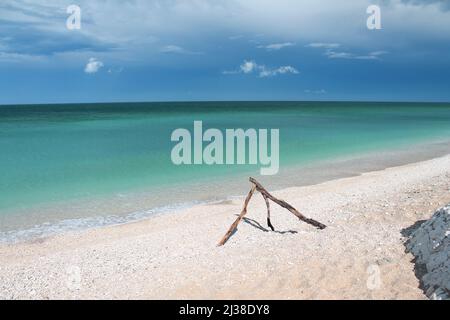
(173, 49)
(323, 45)
(443, 4)
(338, 55)
(14, 57)
(38, 28)
(375, 55)
(264, 72)
(115, 70)
(331, 53)
(378, 53)
(249, 67)
(176, 19)
(276, 46)
(93, 66)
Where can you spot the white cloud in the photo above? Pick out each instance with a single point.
(338, 55)
(115, 70)
(366, 57)
(172, 49)
(375, 55)
(93, 66)
(177, 50)
(273, 72)
(323, 45)
(276, 46)
(248, 67)
(333, 54)
(14, 57)
(378, 53)
(287, 69)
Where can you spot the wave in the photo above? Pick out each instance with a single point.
(45, 230)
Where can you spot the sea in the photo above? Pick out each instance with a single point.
(68, 167)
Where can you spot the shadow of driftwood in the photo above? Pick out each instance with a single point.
(258, 226)
(420, 269)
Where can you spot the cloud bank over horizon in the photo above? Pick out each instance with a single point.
(190, 43)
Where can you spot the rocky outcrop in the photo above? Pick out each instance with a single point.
(430, 244)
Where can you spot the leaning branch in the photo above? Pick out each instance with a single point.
(267, 196)
(235, 223)
(286, 205)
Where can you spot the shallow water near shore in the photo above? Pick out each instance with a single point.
(70, 167)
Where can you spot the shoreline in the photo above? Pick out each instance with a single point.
(175, 255)
(89, 214)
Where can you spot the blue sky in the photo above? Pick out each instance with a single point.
(172, 50)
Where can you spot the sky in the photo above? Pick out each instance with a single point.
(195, 50)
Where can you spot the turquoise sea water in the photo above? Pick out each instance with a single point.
(66, 154)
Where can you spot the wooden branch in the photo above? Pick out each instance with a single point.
(267, 196)
(235, 223)
(286, 205)
(269, 223)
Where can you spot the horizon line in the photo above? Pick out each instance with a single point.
(220, 101)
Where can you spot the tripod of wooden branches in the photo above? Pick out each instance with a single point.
(256, 186)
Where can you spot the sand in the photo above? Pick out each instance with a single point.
(361, 255)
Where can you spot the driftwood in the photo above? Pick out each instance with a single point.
(267, 196)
